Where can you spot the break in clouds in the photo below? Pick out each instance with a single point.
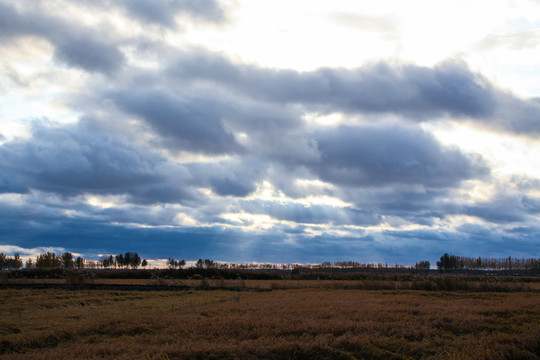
(197, 155)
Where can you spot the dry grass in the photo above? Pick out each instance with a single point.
(430, 283)
(294, 324)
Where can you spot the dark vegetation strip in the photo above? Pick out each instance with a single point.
(296, 274)
(442, 283)
(125, 287)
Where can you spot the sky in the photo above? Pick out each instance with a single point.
(270, 131)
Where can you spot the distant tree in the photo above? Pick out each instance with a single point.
(79, 263)
(199, 264)
(8, 262)
(174, 264)
(132, 259)
(29, 264)
(67, 260)
(108, 261)
(478, 263)
(422, 266)
(450, 262)
(48, 260)
(120, 260)
(144, 263)
(16, 262)
(296, 270)
(444, 263)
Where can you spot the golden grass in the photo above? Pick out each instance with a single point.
(294, 324)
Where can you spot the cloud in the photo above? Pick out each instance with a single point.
(86, 53)
(72, 161)
(379, 156)
(235, 177)
(74, 45)
(381, 87)
(517, 41)
(507, 207)
(185, 123)
(85, 47)
(414, 92)
(467, 240)
(517, 115)
(163, 12)
(405, 205)
(218, 243)
(311, 214)
(363, 22)
(28, 227)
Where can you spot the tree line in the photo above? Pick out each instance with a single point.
(453, 262)
(68, 261)
(129, 259)
(10, 262)
(132, 260)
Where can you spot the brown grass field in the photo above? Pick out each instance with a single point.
(371, 282)
(296, 322)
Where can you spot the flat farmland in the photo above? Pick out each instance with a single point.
(369, 282)
(300, 323)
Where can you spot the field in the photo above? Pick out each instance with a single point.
(275, 321)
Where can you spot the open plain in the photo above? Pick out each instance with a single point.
(268, 322)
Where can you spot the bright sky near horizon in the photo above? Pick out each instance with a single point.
(270, 131)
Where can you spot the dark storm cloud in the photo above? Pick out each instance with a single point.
(416, 92)
(74, 45)
(378, 156)
(185, 123)
(72, 161)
